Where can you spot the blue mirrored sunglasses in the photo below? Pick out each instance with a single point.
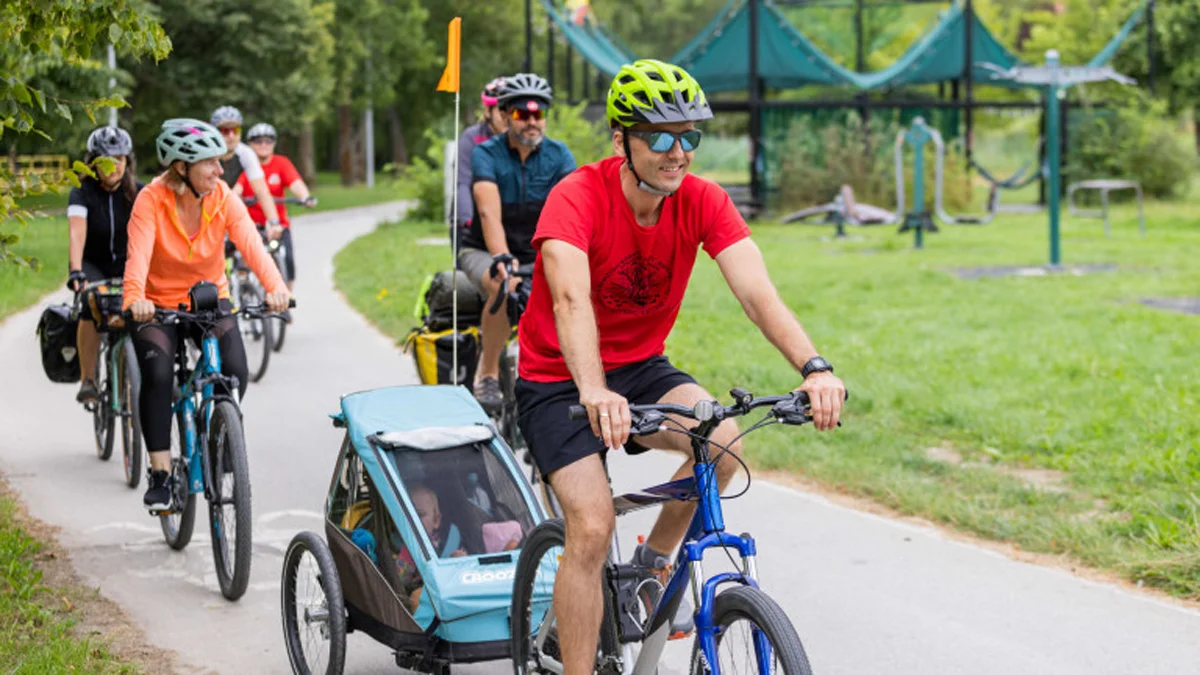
(663, 141)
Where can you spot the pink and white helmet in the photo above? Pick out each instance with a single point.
(491, 91)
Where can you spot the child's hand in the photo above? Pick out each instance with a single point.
(458, 554)
(512, 545)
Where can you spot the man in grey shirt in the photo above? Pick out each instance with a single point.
(493, 122)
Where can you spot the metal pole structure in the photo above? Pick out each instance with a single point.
(1042, 131)
(528, 65)
(112, 82)
(968, 67)
(1053, 150)
(1150, 46)
(584, 80)
(550, 50)
(754, 101)
(860, 59)
(369, 131)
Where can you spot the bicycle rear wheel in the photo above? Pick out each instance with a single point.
(177, 526)
(753, 635)
(131, 424)
(314, 614)
(257, 334)
(229, 507)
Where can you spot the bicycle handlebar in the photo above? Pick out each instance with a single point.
(251, 201)
(522, 272)
(791, 408)
(208, 316)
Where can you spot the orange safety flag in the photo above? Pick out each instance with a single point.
(449, 81)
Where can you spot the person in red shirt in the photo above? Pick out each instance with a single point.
(616, 243)
(280, 174)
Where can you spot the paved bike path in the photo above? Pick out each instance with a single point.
(868, 595)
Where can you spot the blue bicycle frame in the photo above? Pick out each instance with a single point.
(208, 365)
(707, 530)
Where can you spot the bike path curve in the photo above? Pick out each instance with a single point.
(867, 594)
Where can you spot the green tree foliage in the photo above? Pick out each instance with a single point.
(269, 59)
(41, 38)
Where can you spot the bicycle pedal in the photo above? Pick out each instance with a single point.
(160, 514)
(679, 635)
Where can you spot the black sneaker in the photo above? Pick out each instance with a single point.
(158, 491)
(87, 393)
(487, 392)
(683, 623)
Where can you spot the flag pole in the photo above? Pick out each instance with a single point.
(454, 236)
(450, 82)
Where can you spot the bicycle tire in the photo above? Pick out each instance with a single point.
(545, 536)
(103, 420)
(131, 418)
(755, 606)
(226, 457)
(261, 330)
(281, 326)
(332, 603)
(177, 527)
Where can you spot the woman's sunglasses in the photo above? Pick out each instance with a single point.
(663, 141)
(526, 115)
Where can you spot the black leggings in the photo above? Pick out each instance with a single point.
(155, 345)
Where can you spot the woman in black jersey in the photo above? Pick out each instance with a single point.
(98, 212)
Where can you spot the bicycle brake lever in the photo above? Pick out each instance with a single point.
(649, 423)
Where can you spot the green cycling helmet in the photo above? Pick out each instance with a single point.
(190, 140)
(653, 92)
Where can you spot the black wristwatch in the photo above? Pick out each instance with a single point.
(815, 365)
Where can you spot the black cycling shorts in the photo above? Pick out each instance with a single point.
(556, 441)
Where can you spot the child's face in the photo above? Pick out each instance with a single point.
(427, 509)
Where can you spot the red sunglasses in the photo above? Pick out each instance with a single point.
(526, 115)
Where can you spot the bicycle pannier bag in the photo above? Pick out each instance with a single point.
(433, 354)
(56, 338)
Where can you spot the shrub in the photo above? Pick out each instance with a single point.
(1130, 143)
(815, 164)
(589, 141)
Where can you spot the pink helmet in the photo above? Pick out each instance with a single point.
(491, 91)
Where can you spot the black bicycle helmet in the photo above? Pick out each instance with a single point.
(109, 142)
(524, 85)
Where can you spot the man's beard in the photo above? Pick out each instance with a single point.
(528, 142)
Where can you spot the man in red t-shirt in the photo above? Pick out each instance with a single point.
(280, 174)
(617, 241)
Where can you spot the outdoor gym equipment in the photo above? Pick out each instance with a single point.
(1054, 79)
(1104, 187)
(920, 219)
(844, 210)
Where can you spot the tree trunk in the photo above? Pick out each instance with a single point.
(308, 163)
(1196, 126)
(346, 143)
(396, 129)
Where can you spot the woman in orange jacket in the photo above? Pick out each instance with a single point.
(176, 239)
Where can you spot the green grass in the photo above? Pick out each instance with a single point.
(1065, 374)
(36, 624)
(331, 194)
(45, 239)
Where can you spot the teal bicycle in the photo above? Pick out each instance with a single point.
(118, 379)
(208, 449)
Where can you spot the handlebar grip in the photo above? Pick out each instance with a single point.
(577, 412)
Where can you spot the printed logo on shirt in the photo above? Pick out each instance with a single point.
(637, 285)
(274, 179)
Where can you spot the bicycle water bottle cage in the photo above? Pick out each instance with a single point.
(204, 297)
(627, 586)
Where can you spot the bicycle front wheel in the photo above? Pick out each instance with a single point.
(258, 334)
(753, 635)
(229, 505)
(131, 425)
(534, 634)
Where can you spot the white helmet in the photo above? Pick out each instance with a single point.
(260, 130)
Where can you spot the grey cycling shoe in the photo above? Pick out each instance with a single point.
(487, 392)
(683, 623)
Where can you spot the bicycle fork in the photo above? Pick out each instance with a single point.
(707, 531)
